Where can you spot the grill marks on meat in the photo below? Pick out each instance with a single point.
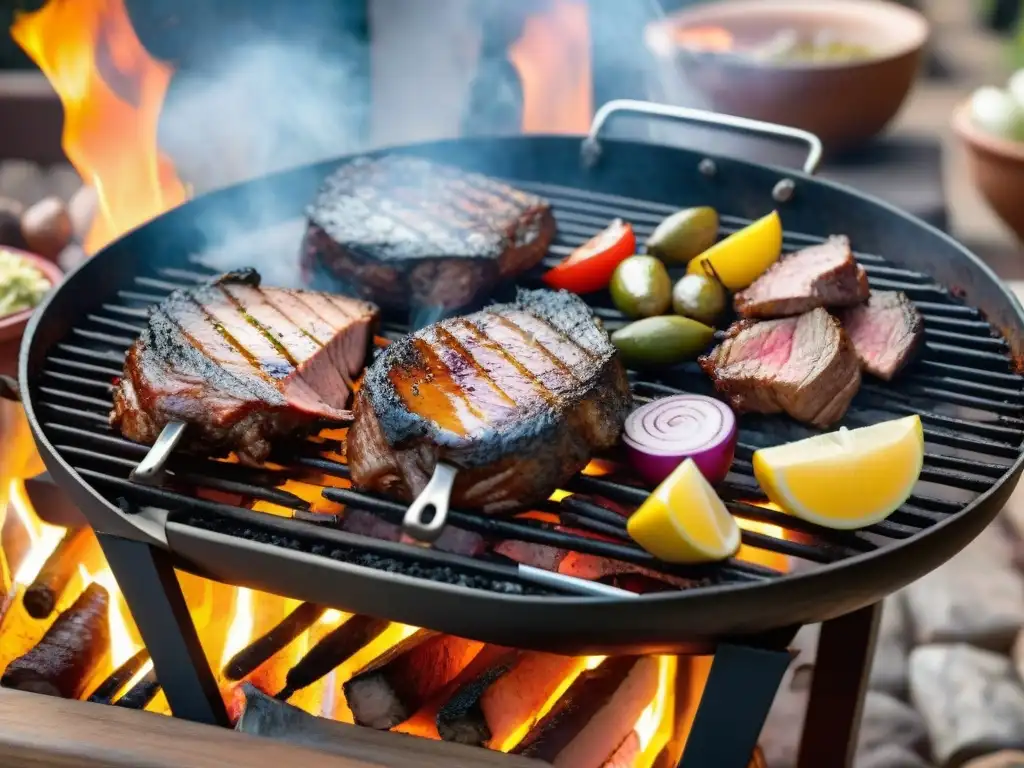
(242, 365)
(886, 332)
(824, 275)
(804, 366)
(408, 233)
(517, 396)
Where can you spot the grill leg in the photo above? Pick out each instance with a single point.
(150, 586)
(845, 650)
(739, 692)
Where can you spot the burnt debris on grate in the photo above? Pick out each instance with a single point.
(970, 401)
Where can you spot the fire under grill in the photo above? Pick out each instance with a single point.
(964, 386)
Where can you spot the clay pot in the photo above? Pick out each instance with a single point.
(997, 168)
(843, 103)
(13, 326)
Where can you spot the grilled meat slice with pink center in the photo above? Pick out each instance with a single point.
(517, 396)
(804, 366)
(886, 332)
(824, 275)
(408, 233)
(243, 365)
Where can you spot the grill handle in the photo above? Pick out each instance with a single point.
(592, 147)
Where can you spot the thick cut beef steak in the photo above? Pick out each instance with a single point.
(242, 365)
(517, 396)
(824, 275)
(886, 332)
(804, 366)
(408, 233)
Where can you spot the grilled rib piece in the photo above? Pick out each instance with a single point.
(242, 365)
(823, 275)
(804, 366)
(886, 332)
(517, 396)
(408, 233)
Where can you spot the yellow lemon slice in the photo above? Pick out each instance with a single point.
(684, 521)
(743, 256)
(846, 479)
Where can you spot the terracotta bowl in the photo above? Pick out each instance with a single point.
(996, 167)
(12, 326)
(843, 103)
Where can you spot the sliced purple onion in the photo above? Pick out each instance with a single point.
(662, 434)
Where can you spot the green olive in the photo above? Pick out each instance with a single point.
(700, 297)
(658, 341)
(641, 287)
(685, 235)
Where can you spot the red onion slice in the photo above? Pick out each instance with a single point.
(661, 435)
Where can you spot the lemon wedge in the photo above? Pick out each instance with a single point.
(684, 521)
(846, 479)
(743, 256)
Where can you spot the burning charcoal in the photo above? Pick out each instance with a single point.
(119, 678)
(595, 714)
(47, 228)
(536, 555)
(489, 710)
(592, 567)
(10, 223)
(335, 647)
(971, 700)
(976, 598)
(66, 657)
(42, 594)
(140, 694)
(391, 689)
(265, 646)
(627, 753)
(452, 539)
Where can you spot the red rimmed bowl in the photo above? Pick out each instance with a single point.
(13, 325)
(996, 167)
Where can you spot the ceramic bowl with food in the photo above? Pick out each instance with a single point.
(996, 166)
(24, 279)
(839, 69)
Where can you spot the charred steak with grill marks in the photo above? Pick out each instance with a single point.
(242, 365)
(824, 275)
(517, 396)
(886, 332)
(804, 366)
(408, 233)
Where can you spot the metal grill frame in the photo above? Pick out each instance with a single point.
(147, 544)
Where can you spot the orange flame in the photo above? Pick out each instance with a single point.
(112, 92)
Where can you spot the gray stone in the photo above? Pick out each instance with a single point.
(47, 227)
(887, 721)
(1004, 759)
(889, 666)
(975, 598)
(971, 701)
(82, 206)
(890, 756)
(63, 181)
(22, 180)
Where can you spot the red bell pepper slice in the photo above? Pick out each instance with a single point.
(589, 268)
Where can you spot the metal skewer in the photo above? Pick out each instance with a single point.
(435, 496)
(151, 469)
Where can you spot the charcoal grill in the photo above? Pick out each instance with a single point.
(965, 386)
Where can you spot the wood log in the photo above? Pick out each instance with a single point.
(273, 641)
(971, 701)
(975, 598)
(97, 736)
(42, 594)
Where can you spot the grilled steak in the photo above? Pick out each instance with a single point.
(886, 332)
(242, 365)
(823, 275)
(517, 396)
(409, 233)
(804, 366)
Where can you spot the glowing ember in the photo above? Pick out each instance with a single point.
(112, 92)
(656, 725)
(759, 556)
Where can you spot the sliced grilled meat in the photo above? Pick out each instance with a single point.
(242, 365)
(886, 332)
(823, 275)
(804, 366)
(408, 233)
(517, 396)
